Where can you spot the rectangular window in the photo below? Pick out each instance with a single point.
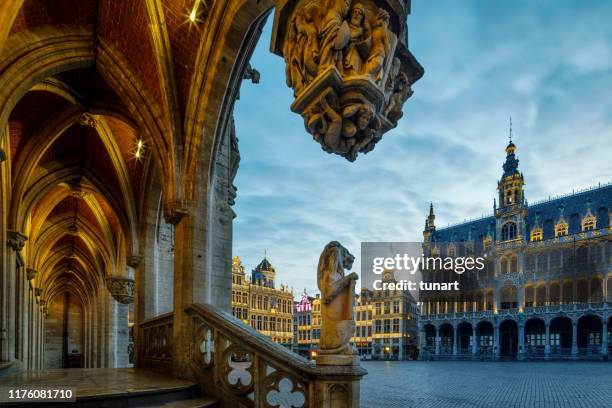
(387, 308)
(378, 327)
(378, 308)
(396, 326)
(396, 306)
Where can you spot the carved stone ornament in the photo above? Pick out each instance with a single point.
(88, 120)
(30, 273)
(16, 240)
(122, 289)
(349, 66)
(134, 260)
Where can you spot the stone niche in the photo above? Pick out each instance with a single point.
(349, 67)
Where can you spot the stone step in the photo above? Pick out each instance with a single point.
(189, 403)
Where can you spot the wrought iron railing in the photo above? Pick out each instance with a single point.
(242, 367)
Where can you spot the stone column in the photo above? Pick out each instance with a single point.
(521, 297)
(547, 346)
(496, 350)
(455, 348)
(604, 340)
(8, 346)
(438, 340)
(474, 341)
(574, 338)
(521, 341)
(400, 355)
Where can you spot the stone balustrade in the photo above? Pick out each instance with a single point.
(241, 367)
(155, 344)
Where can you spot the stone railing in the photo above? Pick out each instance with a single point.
(155, 344)
(241, 367)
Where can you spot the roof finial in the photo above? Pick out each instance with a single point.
(510, 134)
(265, 253)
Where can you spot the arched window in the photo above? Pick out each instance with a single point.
(508, 231)
(561, 229)
(588, 223)
(451, 251)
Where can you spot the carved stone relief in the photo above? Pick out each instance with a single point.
(122, 289)
(348, 67)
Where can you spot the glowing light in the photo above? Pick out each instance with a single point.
(140, 147)
(194, 12)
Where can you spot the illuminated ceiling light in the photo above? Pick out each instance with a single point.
(194, 12)
(139, 150)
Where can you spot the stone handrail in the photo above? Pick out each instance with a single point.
(241, 367)
(155, 343)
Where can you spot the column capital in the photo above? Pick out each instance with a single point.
(31, 273)
(175, 211)
(134, 260)
(16, 240)
(121, 289)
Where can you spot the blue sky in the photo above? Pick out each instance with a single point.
(546, 63)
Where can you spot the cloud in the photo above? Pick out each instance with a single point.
(546, 63)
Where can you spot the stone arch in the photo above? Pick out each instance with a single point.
(589, 333)
(464, 337)
(430, 336)
(446, 337)
(535, 336)
(31, 56)
(508, 339)
(484, 335)
(561, 333)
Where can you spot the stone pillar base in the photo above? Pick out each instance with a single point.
(337, 360)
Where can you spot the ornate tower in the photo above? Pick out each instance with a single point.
(264, 274)
(430, 225)
(511, 211)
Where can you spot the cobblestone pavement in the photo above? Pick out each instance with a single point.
(486, 384)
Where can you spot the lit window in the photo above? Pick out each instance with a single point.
(561, 229)
(588, 223)
(536, 234)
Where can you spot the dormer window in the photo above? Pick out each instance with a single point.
(561, 229)
(536, 234)
(486, 243)
(588, 223)
(508, 231)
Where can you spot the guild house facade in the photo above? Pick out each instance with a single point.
(546, 289)
(386, 323)
(257, 302)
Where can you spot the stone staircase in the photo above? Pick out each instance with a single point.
(107, 387)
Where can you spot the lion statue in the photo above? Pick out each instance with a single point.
(337, 293)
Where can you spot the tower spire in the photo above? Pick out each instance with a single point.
(510, 133)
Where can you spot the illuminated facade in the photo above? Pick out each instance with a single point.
(546, 290)
(307, 325)
(386, 323)
(258, 303)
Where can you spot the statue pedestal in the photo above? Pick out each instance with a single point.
(337, 360)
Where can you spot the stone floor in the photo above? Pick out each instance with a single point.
(486, 384)
(96, 382)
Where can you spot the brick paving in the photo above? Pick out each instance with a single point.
(442, 384)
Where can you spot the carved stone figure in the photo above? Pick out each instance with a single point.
(349, 66)
(380, 45)
(359, 41)
(302, 51)
(337, 292)
(334, 34)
